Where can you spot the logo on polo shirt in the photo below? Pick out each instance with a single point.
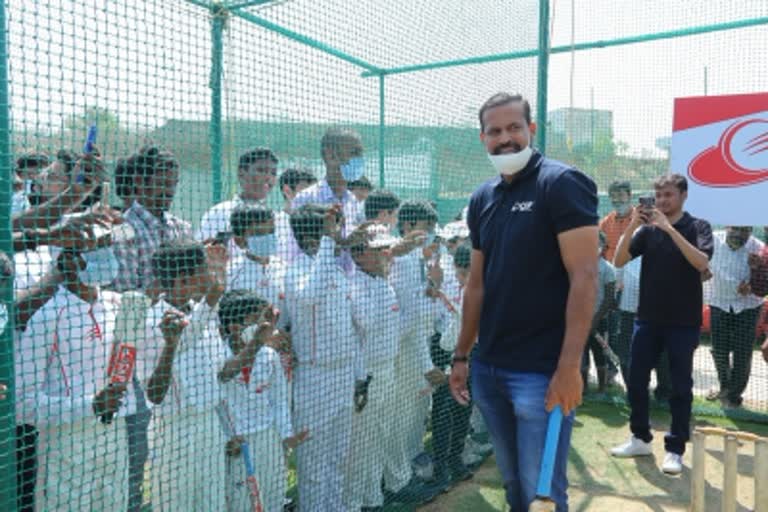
(522, 206)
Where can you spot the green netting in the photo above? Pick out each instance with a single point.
(185, 91)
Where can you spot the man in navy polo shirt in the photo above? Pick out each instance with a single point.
(676, 249)
(529, 298)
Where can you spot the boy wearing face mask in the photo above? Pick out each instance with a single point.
(329, 370)
(256, 394)
(177, 364)
(255, 264)
(66, 389)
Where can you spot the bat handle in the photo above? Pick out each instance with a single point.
(554, 423)
(246, 451)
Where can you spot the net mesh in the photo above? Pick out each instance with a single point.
(184, 293)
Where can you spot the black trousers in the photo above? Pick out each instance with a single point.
(621, 343)
(26, 467)
(450, 420)
(733, 334)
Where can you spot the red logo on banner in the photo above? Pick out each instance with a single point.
(740, 157)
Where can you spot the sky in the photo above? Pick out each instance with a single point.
(149, 60)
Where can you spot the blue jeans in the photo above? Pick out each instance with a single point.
(648, 342)
(512, 404)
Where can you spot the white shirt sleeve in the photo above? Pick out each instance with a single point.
(43, 369)
(320, 274)
(278, 396)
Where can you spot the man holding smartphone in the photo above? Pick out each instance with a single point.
(676, 249)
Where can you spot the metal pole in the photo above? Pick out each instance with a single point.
(219, 17)
(706, 81)
(591, 45)
(382, 127)
(7, 406)
(543, 76)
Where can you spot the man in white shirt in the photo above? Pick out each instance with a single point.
(66, 391)
(257, 174)
(177, 364)
(734, 312)
(328, 360)
(292, 182)
(342, 153)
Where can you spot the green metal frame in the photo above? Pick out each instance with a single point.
(542, 81)
(643, 38)
(7, 406)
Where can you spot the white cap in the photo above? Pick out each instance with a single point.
(454, 229)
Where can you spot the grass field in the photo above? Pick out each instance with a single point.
(600, 482)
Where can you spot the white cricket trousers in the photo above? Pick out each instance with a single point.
(83, 466)
(371, 441)
(188, 469)
(323, 403)
(268, 460)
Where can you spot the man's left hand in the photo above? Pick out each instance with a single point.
(744, 288)
(565, 389)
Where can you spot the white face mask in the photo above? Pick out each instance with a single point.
(101, 267)
(511, 163)
(262, 246)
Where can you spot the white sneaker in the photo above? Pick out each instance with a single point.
(633, 448)
(673, 464)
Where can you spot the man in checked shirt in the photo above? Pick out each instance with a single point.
(155, 175)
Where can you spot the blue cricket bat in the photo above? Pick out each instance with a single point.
(543, 501)
(228, 425)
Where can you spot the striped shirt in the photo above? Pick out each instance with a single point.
(135, 255)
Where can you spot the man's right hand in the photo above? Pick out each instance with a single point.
(458, 383)
(640, 216)
(233, 446)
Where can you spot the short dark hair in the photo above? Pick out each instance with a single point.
(415, 210)
(32, 160)
(335, 137)
(254, 155)
(245, 216)
(620, 186)
(235, 305)
(292, 177)
(176, 258)
(502, 98)
(123, 178)
(462, 256)
(307, 223)
(363, 184)
(380, 200)
(150, 159)
(678, 180)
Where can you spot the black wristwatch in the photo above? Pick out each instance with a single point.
(459, 359)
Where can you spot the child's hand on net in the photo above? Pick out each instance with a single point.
(293, 441)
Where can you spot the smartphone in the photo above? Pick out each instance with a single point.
(223, 237)
(647, 202)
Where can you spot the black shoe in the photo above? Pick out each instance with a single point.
(415, 492)
(461, 474)
(442, 480)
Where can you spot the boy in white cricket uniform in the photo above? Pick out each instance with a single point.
(376, 318)
(256, 394)
(65, 354)
(328, 357)
(410, 279)
(181, 349)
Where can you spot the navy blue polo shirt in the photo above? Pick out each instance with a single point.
(670, 287)
(522, 323)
